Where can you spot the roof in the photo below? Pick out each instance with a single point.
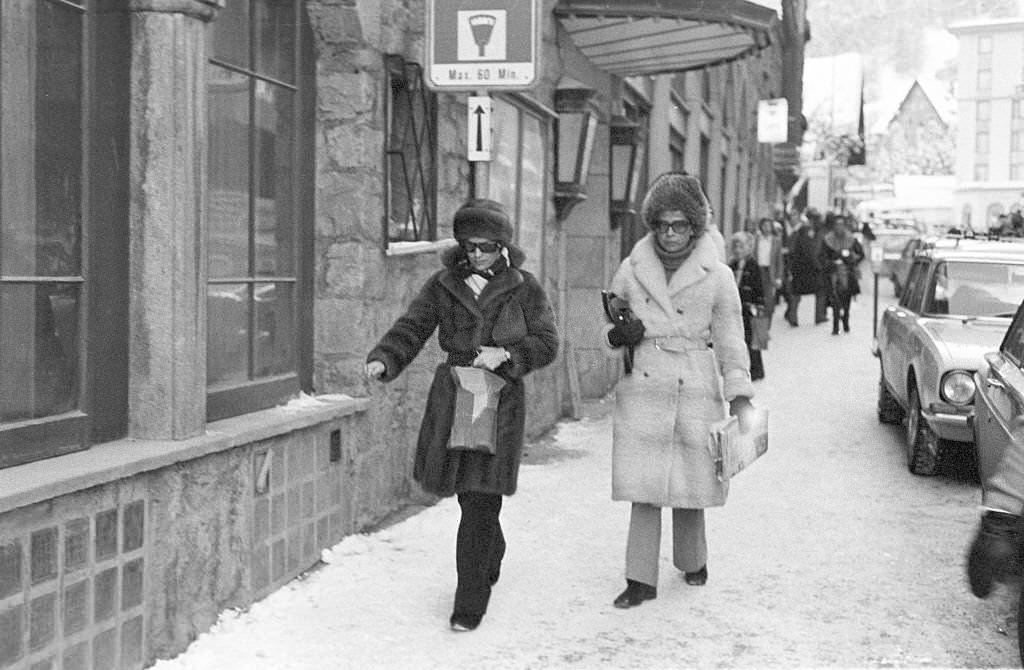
(644, 37)
(977, 249)
(942, 102)
(986, 25)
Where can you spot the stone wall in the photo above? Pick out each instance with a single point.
(360, 290)
(120, 574)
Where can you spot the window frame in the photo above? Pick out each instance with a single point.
(99, 408)
(523, 107)
(405, 77)
(255, 393)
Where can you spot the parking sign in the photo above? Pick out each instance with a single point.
(482, 44)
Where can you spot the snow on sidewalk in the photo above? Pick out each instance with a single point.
(827, 554)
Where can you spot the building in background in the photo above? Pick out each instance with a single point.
(990, 134)
(210, 211)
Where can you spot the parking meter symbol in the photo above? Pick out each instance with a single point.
(481, 35)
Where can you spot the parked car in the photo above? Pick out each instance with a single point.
(998, 544)
(913, 247)
(955, 308)
(892, 236)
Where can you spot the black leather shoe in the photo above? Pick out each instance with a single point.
(993, 552)
(462, 623)
(635, 594)
(698, 578)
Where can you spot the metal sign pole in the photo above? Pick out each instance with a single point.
(481, 168)
(874, 315)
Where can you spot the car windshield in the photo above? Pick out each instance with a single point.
(976, 289)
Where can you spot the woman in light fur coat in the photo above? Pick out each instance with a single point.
(690, 367)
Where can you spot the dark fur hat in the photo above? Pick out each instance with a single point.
(483, 218)
(676, 190)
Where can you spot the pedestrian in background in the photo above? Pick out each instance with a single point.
(489, 314)
(768, 252)
(841, 255)
(803, 269)
(821, 227)
(690, 362)
(751, 286)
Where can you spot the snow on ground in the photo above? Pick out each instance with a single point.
(828, 553)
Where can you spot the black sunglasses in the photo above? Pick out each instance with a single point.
(678, 226)
(486, 247)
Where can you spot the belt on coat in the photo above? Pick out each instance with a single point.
(680, 343)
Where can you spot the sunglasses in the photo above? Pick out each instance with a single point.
(679, 226)
(486, 247)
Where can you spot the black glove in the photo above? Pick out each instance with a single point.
(626, 333)
(741, 408)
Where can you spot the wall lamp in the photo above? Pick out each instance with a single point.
(574, 141)
(624, 158)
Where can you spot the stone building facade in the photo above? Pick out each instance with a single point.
(209, 212)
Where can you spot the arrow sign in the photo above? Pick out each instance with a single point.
(479, 128)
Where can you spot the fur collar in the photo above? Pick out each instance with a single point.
(649, 271)
(498, 286)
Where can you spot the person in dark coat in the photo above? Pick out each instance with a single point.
(690, 367)
(840, 256)
(803, 269)
(750, 282)
(821, 227)
(488, 313)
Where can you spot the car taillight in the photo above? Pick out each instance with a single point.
(957, 387)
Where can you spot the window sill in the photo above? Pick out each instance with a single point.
(412, 248)
(104, 463)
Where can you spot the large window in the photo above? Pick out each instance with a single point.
(517, 178)
(63, 152)
(257, 204)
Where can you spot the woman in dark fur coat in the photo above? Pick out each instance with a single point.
(489, 314)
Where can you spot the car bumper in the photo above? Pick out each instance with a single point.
(950, 422)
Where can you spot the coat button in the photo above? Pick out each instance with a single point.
(679, 311)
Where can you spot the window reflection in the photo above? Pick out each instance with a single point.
(227, 351)
(39, 331)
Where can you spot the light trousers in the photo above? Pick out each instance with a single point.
(643, 547)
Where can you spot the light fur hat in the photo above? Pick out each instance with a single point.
(676, 191)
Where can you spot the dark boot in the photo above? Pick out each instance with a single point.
(635, 594)
(462, 623)
(993, 551)
(698, 578)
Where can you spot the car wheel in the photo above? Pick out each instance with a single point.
(889, 411)
(923, 444)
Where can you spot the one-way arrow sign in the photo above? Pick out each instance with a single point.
(478, 128)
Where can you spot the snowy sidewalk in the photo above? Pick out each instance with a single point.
(828, 553)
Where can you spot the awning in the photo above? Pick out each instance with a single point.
(642, 37)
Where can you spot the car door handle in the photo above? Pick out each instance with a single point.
(995, 384)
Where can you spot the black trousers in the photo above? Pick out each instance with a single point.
(756, 364)
(841, 312)
(479, 548)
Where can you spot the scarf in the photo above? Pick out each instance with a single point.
(673, 259)
(463, 268)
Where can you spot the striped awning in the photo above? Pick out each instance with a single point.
(642, 37)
